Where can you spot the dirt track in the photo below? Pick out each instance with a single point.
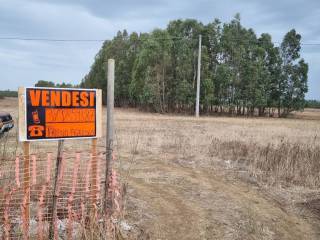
(182, 203)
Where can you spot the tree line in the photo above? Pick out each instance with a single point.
(312, 104)
(44, 83)
(8, 93)
(241, 73)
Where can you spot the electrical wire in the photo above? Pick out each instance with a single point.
(140, 39)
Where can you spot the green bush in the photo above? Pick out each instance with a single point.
(8, 93)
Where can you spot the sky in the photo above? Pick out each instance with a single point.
(23, 63)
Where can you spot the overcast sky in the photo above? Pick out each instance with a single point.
(22, 63)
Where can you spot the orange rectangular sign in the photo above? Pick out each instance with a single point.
(56, 113)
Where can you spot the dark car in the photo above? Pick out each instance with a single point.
(6, 122)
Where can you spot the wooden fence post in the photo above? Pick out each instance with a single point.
(94, 174)
(109, 141)
(55, 187)
(26, 189)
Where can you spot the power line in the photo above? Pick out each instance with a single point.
(81, 40)
(140, 39)
(304, 44)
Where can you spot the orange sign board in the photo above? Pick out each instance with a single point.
(56, 113)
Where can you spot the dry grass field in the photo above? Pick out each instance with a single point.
(213, 177)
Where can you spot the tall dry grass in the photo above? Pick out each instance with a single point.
(275, 151)
(285, 162)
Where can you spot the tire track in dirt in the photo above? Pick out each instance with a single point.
(188, 203)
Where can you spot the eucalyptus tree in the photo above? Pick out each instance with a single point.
(184, 53)
(150, 74)
(293, 84)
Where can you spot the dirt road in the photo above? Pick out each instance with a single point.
(176, 202)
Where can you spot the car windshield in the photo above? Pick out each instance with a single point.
(5, 117)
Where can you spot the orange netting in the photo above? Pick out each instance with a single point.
(79, 196)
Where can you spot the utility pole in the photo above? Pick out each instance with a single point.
(198, 78)
(110, 131)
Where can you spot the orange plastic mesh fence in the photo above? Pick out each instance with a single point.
(79, 194)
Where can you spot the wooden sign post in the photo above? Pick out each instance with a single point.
(26, 189)
(110, 130)
(94, 172)
(55, 187)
